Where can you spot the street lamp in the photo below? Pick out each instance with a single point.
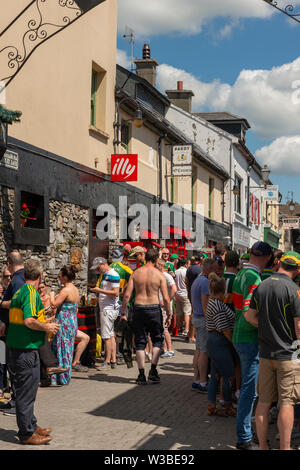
(137, 120)
(235, 190)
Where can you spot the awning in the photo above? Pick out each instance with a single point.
(146, 235)
(182, 233)
(156, 244)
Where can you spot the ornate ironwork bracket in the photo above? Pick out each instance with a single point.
(38, 22)
(289, 10)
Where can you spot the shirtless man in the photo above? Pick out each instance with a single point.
(147, 317)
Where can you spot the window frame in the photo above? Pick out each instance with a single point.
(29, 235)
(211, 189)
(238, 197)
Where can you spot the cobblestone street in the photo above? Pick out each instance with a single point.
(106, 410)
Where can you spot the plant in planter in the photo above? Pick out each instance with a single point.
(25, 212)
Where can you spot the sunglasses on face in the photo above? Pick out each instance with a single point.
(7, 276)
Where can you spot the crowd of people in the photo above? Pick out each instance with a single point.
(241, 312)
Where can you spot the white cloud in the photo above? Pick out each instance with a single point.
(184, 17)
(282, 156)
(123, 59)
(265, 97)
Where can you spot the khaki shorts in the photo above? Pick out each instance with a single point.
(279, 381)
(183, 307)
(108, 317)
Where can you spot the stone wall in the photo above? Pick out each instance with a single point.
(69, 238)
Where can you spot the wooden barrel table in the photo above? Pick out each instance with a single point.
(86, 317)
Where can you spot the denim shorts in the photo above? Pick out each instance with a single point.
(201, 333)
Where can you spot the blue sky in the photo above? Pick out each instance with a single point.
(213, 58)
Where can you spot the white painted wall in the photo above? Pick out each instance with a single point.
(219, 145)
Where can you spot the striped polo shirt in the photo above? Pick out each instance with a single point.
(108, 281)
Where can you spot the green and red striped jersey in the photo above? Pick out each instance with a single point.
(244, 285)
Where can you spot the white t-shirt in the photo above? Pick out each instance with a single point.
(170, 283)
(109, 281)
(180, 276)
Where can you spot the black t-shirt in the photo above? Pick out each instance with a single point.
(191, 274)
(17, 282)
(277, 301)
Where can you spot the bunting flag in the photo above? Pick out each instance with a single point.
(38, 22)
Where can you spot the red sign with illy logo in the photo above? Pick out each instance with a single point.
(124, 168)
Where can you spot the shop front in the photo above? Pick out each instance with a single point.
(241, 238)
(214, 233)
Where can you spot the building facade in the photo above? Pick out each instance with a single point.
(50, 181)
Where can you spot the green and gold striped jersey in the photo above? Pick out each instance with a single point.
(26, 303)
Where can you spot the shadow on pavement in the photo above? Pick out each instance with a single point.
(173, 406)
(9, 436)
(103, 377)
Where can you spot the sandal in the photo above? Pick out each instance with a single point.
(230, 411)
(2, 398)
(214, 411)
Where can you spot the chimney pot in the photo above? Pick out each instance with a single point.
(180, 85)
(146, 67)
(146, 52)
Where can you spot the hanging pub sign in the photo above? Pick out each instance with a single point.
(271, 194)
(291, 223)
(182, 160)
(182, 170)
(182, 154)
(124, 168)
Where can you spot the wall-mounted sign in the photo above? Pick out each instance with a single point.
(291, 223)
(124, 168)
(182, 154)
(10, 160)
(182, 170)
(271, 194)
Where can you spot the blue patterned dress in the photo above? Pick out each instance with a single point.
(63, 341)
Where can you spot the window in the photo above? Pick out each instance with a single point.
(94, 97)
(211, 185)
(125, 135)
(98, 98)
(237, 197)
(31, 214)
(31, 210)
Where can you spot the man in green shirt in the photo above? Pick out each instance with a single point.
(232, 262)
(268, 271)
(169, 266)
(245, 339)
(26, 334)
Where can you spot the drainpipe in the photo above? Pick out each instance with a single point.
(160, 178)
(230, 196)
